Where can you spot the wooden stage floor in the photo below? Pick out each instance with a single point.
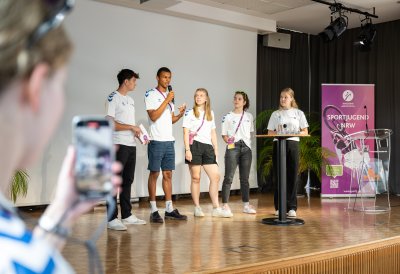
(215, 244)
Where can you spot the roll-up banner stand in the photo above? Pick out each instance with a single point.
(346, 109)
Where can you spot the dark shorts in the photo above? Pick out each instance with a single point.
(161, 155)
(202, 154)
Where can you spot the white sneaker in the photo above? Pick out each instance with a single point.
(222, 213)
(198, 212)
(133, 220)
(227, 209)
(292, 213)
(249, 209)
(116, 224)
(276, 213)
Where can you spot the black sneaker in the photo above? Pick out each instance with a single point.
(156, 218)
(175, 215)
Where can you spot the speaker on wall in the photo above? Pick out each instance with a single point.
(277, 40)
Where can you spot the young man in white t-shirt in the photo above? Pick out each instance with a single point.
(121, 109)
(161, 151)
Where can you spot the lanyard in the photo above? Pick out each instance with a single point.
(241, 118)
(165, 97)
(201, 122)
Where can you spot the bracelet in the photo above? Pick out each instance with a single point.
(48, 225)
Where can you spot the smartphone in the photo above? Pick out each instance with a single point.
(95, 153)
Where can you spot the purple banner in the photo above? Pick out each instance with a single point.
(346, 109)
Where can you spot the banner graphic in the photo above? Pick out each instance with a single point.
(346, 109)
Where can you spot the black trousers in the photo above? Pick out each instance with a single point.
(126, 155)
(292, 165)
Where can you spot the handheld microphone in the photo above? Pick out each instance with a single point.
(366, 117)
(170, 89)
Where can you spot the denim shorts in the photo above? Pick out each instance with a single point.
(202, 154)
(161, 155)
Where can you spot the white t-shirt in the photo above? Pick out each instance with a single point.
(122, 109)
(21, 253)
(192, 123)
(230, 122)
(161, 129)
(293, 118)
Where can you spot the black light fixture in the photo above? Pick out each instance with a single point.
(143, 1)
(367, 35)
(335, 29)
(339, 25)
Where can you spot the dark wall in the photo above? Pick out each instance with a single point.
(310, 62)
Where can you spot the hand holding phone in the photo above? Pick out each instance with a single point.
(95, 153)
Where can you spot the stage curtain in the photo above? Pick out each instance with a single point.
(277, 69)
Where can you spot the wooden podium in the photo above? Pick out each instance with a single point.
(281, 159)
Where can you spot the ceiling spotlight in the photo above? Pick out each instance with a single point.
(366, 36)
(335, 29)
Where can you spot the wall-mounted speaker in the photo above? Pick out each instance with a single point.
(277, 40)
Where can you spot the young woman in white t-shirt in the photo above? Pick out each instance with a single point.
(201, 150)
(288, 117)
(237, 127)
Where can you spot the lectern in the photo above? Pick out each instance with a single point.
(369, 162)
(282, 219)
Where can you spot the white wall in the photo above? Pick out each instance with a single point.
(108, 38)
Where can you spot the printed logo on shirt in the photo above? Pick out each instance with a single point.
(48, 268)
(187, 112)
(223, 118)
(111, 96)
(5, 214)
(147, 93)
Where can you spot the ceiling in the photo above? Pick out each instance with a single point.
(265, 16)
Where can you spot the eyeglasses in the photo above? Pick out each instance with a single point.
(58, 10)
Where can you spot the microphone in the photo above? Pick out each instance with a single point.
(366, 117)
(170, 89)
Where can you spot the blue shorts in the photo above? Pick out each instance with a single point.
(161, 155)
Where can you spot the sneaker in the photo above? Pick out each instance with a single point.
(175, 215)
(227, 209)
(156, 218)
(292, 213)
(222, 213)
(276, 213)
(133, 220)
(116, 224)
(198, 212)
(249, 209)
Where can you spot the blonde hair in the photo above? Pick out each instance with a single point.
(289, 91)
(207, 107)
(18, 21)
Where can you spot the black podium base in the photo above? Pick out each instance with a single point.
(276, 221)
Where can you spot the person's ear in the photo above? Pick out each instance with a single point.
(34, 85)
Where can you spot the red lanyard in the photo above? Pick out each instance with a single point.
(165, 97)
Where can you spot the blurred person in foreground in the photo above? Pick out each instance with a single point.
(34, 52)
